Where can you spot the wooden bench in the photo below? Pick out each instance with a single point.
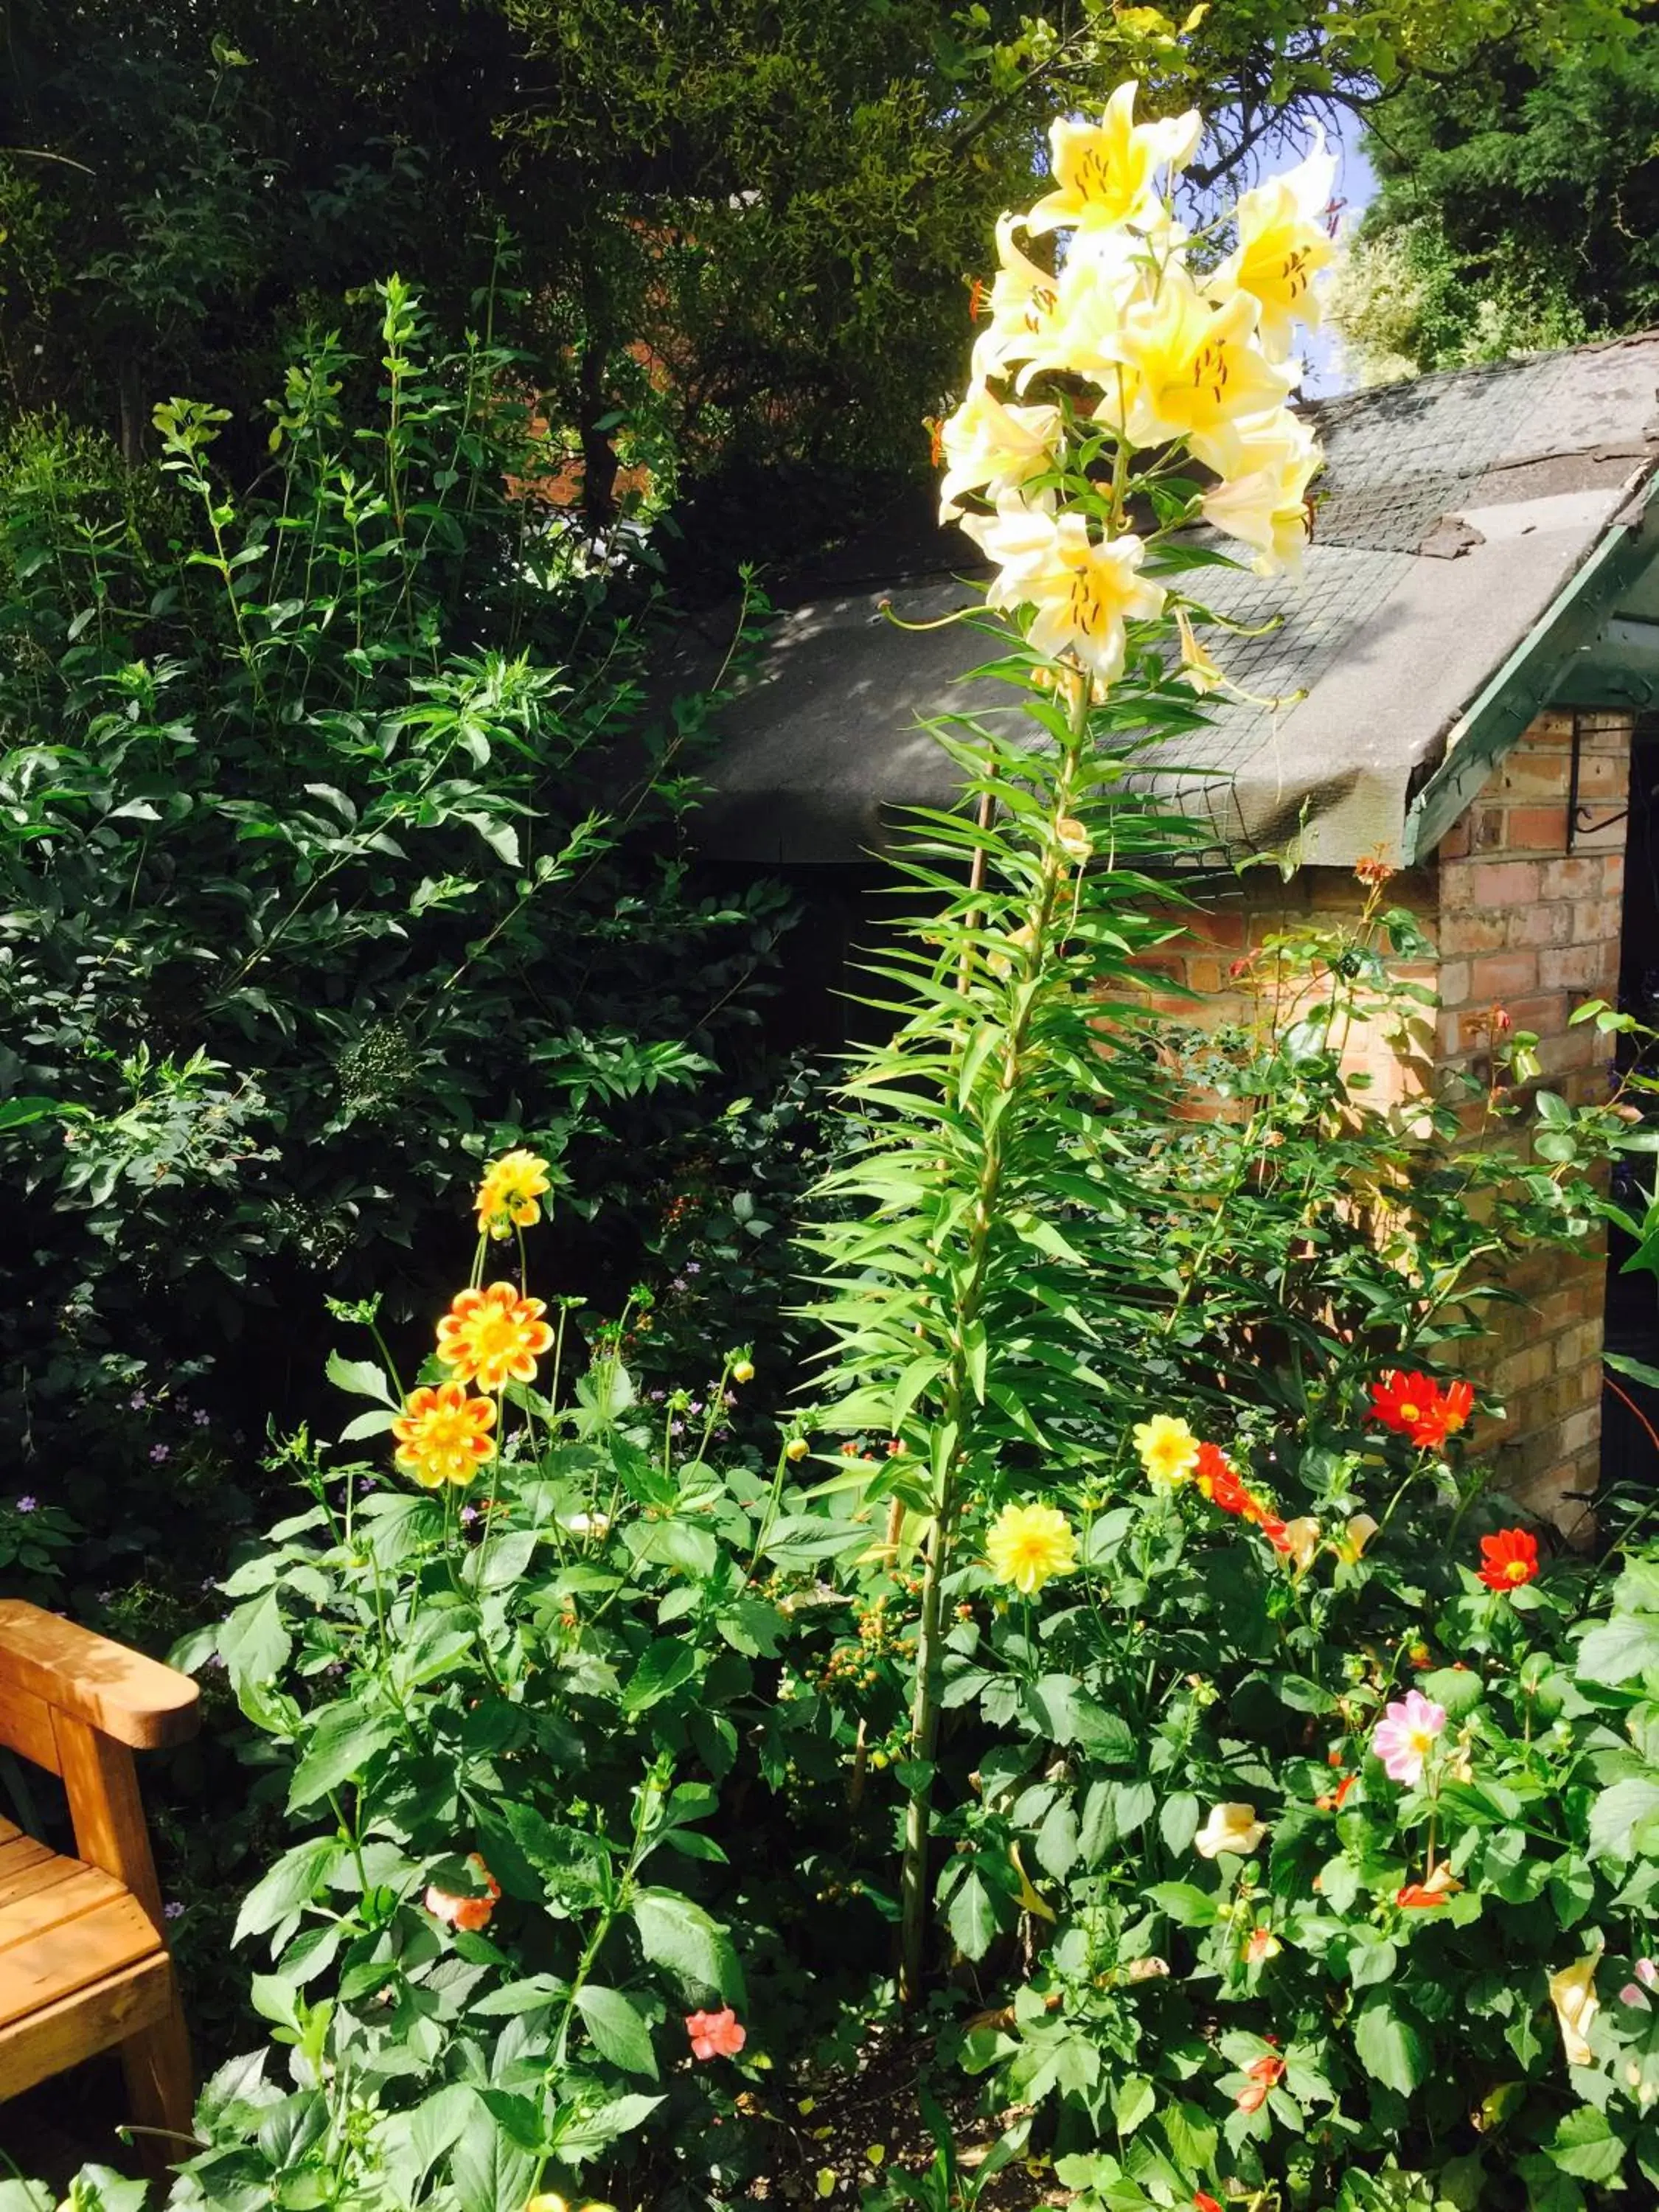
(83, 1955)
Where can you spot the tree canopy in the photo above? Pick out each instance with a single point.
(1519, 207)
(733, 238)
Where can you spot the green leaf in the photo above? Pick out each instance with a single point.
(620, 2031)
(1620, 1650)
(1618, 1813)
(590, 2135)
(361, 1377)
(1134, 2100)
(972, 1915)
(1585, 2146)
(490, 2171)
(438, 2125)
(343, 1745)
(1459, 1689)
(1389, 2048)
(1177, 1822)
(663, 1666)
(1180, 1902)
(298, 1876)
(253, 1642)
(679, 1936)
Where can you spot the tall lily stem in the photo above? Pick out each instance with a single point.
(954, 1424)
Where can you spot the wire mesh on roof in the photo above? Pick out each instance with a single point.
(1396, 461)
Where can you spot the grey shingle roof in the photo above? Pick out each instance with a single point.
(1452, 513)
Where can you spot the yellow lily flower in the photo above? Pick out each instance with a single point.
(1023, 301)
(1084, 589)
(1103, 277)
(1283, 244)
(1197, 668)
(1267, 468)
(1198, 367)
(1573, 1992)
(994, 448)
(1105, 174)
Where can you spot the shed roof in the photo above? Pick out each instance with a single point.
(1480, 537)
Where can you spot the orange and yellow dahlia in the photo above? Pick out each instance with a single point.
(443, 1435)
(508, 1193)
(494, 1336)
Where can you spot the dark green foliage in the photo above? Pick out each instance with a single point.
(1522, 203)
(322, 870)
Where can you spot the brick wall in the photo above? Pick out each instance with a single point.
(1521, 926)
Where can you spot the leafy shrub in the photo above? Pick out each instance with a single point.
(312, 882)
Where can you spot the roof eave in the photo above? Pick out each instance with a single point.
(1533, 674)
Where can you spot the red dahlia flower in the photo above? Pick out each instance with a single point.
(1415, 1405)
(1509, 1559)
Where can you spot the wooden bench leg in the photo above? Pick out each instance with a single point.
(161, 2090)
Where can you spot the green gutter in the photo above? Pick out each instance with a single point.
(1495, 719)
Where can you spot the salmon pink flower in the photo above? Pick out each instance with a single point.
(1263, 2076)
(1418, 1896)
(715, 2035)
(1507, 1559)
(456, 1909)
(1260, 1944)
(1203, 2201)
(1406, 1736)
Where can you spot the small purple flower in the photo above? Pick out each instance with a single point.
(137, 1402)
(696, 1407)
(106, 1597)
(173, 1910)
(731, 1397)
(160, 1452)
(201, 1417)
(27, 1504)
(656, 1396)
(469, 1514)
(679, 1283)
(677, 1428)
(693, 1267)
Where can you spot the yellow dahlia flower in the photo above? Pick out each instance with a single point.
(1168, 1449)
(492, 1337)
(1029, 1545)
(443, 1435)
(506, 1195)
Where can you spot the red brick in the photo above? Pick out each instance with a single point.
(1591, 966)
(1541, 925)
(1498, 977)
(1473, 932)
(1531, 774)
(1453, 982)
(1593, 919)
(1535, 830)
(1510, 882)
(1573, 879)
(1456, 842)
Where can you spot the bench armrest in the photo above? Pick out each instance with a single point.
(135, 1700)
